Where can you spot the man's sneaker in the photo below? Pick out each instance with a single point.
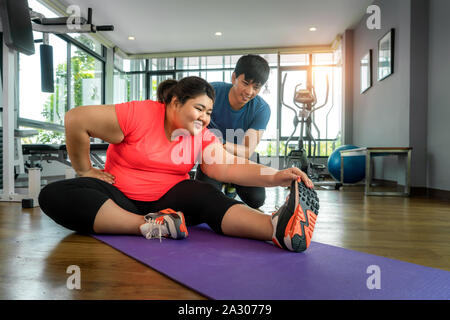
(165, 223)
(294, 222)
(230, 191)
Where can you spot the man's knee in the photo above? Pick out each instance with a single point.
(253, 197)
(201, 176)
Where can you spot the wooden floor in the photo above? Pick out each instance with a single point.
(35, 252)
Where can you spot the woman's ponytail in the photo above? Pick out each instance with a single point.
(184, 89)
(165, 91)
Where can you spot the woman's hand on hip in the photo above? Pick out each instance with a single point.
(284, 177)
(98, 174)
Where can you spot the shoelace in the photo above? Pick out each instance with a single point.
(153, 231)
(277, 208)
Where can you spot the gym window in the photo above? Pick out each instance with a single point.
(78, 63)
(129, 80)
(139, 79)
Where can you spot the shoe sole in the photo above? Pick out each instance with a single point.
(309, 204)
(300, 226)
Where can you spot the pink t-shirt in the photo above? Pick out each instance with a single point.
(146, 164)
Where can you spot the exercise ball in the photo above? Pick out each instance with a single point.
(354, 167)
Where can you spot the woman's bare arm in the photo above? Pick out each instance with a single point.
(222, 166)
(84, 122)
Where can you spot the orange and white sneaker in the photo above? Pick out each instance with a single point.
(165, 223)
(293, 224)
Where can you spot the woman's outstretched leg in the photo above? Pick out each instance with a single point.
(291, 227)
(245, 222)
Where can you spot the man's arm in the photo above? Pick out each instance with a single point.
(245, 150)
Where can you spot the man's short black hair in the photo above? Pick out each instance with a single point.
(254, 67)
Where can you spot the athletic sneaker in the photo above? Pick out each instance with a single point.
(230, 191)
(165, 223)
(294, 222)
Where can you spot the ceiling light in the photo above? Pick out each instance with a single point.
(131, 38)
(218, 33)
(313, 29)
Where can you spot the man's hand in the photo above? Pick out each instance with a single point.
(248, 146)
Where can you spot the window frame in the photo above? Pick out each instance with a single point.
(30, 123)
(203, 68)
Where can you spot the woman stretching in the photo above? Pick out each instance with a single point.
(145, 187)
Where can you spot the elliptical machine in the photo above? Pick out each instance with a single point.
(305, 100)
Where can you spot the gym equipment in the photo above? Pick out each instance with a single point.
(44, 152)
(47, 79)
(60, 25)
(54, 152)
(354, 167)
(15, 18)
(17, 39)
(228, 268)
(305, 100)
(66, 24)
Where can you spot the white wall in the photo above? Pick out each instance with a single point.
(381, 114)
(411, 107)
(438, 132)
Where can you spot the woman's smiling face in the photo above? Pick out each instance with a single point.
(195, 114)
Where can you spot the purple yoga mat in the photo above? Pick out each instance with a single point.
(226, 268)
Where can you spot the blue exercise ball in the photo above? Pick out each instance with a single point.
(354, 167)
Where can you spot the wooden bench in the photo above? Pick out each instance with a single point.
(370, 153)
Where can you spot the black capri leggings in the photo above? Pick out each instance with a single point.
(74, 203)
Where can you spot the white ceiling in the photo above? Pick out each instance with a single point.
(189, 25)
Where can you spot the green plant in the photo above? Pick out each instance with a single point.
(51, 137)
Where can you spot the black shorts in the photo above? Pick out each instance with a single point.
(74, 203)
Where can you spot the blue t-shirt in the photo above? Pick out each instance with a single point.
(254, 115)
